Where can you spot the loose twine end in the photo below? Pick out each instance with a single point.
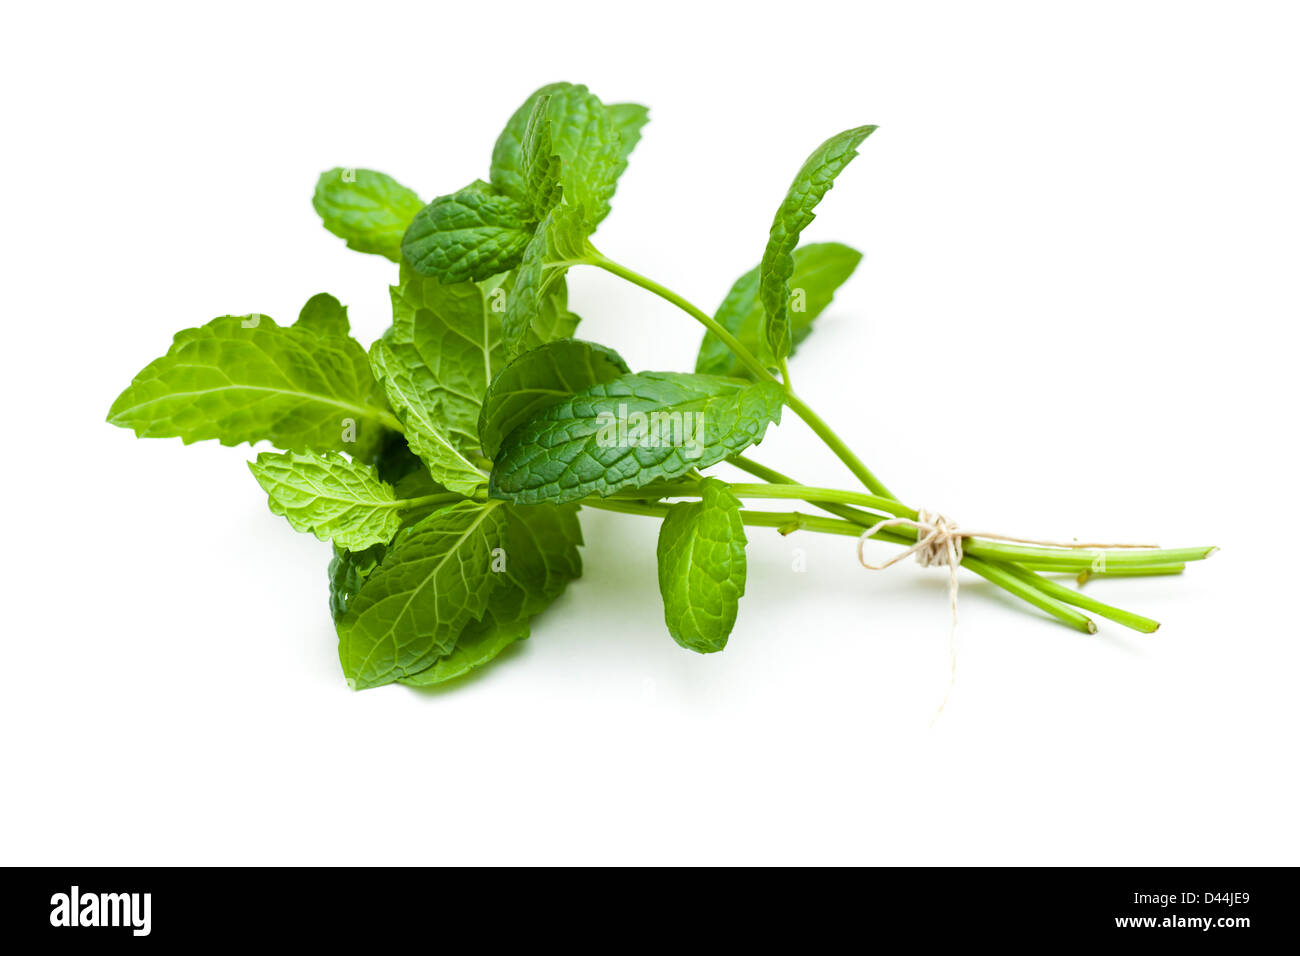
(939, 544)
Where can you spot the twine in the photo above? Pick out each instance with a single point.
(939, 544)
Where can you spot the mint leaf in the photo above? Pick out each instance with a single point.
(368, 209)
(627, 119)
(561, 143)
(405, 378)
(814, 179)
(581, 140)
(537, 558)
(348, 570)
(536, 306)
(507, 174)
(538, 379)
(435, 363)
(629, 432)
(329, 496)
(819, 269)
(552, 319)
(246, 379)
(324, 315)
(541, 166)
(434, 580)
(478, 644)
(702, 567)
(507, 154)
(469, 235)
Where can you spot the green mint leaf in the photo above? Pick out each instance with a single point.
(508, 169)
(537, 303)
(405, 379)
(435, 578)
(469, 235)
(631, 431)
(245, 379)
(435, 363)
(368, 209)
(581, 138)
(815, 178)
(329, 496)
(819, 269)
(552, 319)
(348, 570)
(507, 172)
(478, 644)
(537, 558)
(538, 379)
(627, 119)
(702, 567)
(324, 315)
(541, 166)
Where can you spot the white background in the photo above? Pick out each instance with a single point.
(1076, 316)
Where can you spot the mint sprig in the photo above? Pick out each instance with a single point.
(448, 462)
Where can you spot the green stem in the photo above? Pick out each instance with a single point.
(742, 353)
(1063, 559)
(793, 520)
(1037, 558)
(1051, 591)
(406, 504)
(770, 475)
(861, 518)
(1118, 561)
(837, 445)
(1005, 579)
(782, 490)
(626, 507)
(1070, 596)
(1151, 570)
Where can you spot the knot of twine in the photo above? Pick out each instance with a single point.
(939, 544)
(938, 541)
